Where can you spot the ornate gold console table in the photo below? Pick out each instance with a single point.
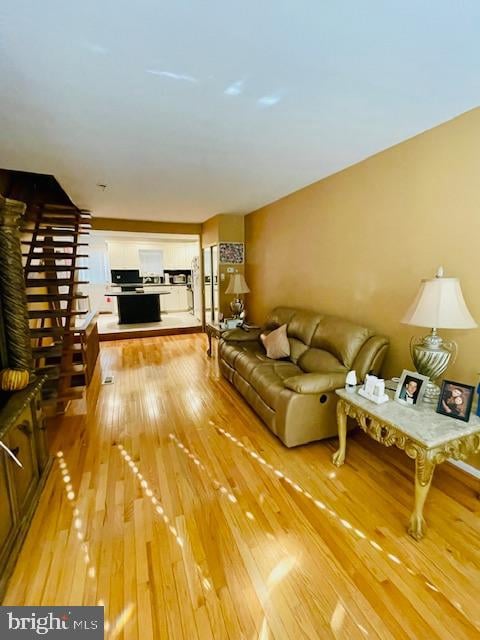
(426, 436)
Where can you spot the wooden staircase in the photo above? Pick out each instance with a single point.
(53, 237)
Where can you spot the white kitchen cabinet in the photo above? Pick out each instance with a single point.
(181, 256)
(177, 300)
(169, 257)
(123, 255)
(177, 257)
(174, 298)
(182, 299)
(167, 301)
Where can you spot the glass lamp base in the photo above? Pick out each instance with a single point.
(431, 356)
(237, 307)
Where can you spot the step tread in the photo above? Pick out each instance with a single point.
(60, 221)
(52, 244)
(46, 332)
(51, 206)
(37, 268)
(54, 232)
(56, 397)
(53, 349)
(56, 208)
(54, 297)
(58, 313)
(55, 256)
(36, 283)
(77, 370)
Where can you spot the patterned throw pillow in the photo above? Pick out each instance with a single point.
(276, 343)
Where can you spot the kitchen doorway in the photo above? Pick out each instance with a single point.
(144, 284)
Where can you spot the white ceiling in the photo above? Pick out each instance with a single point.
(188, 108)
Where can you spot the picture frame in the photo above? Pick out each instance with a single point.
(455, 400)
(231, 252)
(411, 388)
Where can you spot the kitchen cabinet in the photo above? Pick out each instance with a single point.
(169, 257)
(182, 299)
(123, 255)
(177, 300)
(180, 256)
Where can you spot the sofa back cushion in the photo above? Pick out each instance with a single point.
(301, 325)
(319, 361)
(309, 331)
(340, 337)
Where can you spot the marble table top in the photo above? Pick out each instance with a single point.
(421, 423)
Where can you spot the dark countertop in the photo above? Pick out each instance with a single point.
(151, 284)
(137, 293)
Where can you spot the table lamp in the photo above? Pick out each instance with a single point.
(237, 286)
(439, 304)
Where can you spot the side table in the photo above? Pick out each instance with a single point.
(213, 330)
(426, 436)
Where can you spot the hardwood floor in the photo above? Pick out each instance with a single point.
(172, 504)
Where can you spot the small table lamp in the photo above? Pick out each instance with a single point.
(439, 304)
(237, 286)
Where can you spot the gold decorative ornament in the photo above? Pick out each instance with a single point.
(14, 379)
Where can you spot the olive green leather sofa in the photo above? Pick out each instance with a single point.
(295, 397)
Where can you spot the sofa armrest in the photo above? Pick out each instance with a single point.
(240, 335)
(316, 382)
(370, 357)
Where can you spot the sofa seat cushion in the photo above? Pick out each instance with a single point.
(268, 380)
(248, 359)
(229, 351)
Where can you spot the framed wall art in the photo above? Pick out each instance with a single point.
(231, 252)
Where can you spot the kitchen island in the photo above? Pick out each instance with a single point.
(136, 307)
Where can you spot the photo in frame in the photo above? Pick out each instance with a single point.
(411, 388)
(455, 400)
(231, 253)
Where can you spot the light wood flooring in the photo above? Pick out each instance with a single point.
(173, 505)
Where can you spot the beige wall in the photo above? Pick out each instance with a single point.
(358, 243)
(224, 228)
(144, 226)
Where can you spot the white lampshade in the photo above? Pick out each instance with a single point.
(237, 284)
(439, 304)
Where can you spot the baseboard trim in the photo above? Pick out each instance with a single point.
(472, 471)
(149, 333)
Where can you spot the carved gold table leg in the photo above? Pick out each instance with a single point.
(423, 479)
(339, 456)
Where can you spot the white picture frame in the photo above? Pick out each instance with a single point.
(406, 392)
